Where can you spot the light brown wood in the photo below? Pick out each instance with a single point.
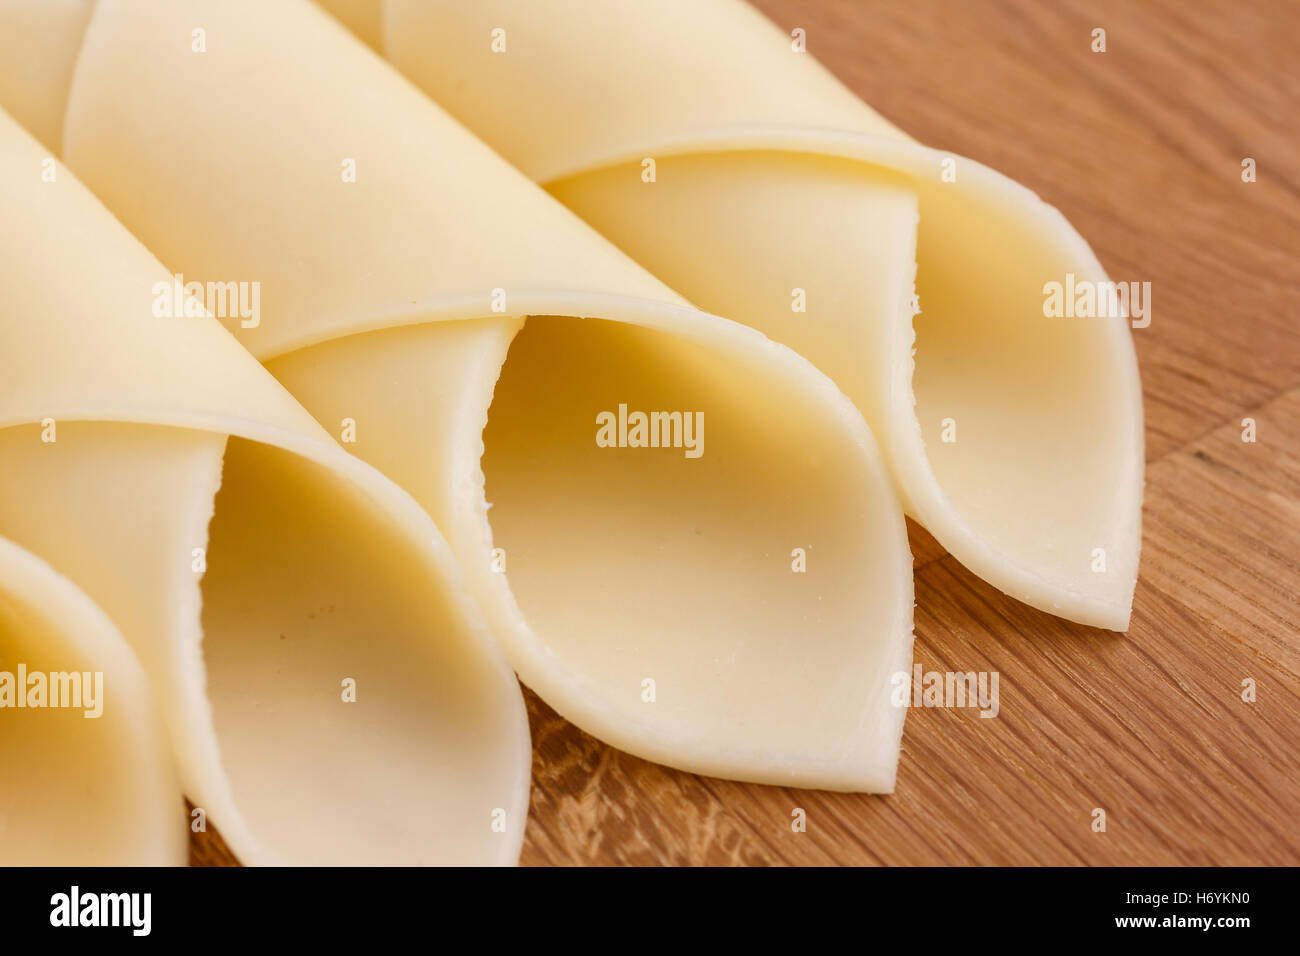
(1141, 147)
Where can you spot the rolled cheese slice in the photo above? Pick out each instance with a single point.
(89, 778)
(717, 153)
(694, 553)
(330, 689)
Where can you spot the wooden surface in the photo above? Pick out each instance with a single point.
(1141, 148)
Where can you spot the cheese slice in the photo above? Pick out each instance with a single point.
(89, 777)
(717, 153)
(330, 690)
(732, 601)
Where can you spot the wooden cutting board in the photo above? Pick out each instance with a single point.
(1141, 147)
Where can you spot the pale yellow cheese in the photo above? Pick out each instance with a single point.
(740, 612)
(262, 576)
(89, 782)
(780, 200)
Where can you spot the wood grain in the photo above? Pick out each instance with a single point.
(1141, 148)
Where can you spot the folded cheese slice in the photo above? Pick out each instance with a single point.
(89, 778)
(724, 159)
(331, 691)
(694, 553)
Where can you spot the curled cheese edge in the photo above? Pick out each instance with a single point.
(718, 154)
(331, 692)
(90, 779)
(742, 612)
